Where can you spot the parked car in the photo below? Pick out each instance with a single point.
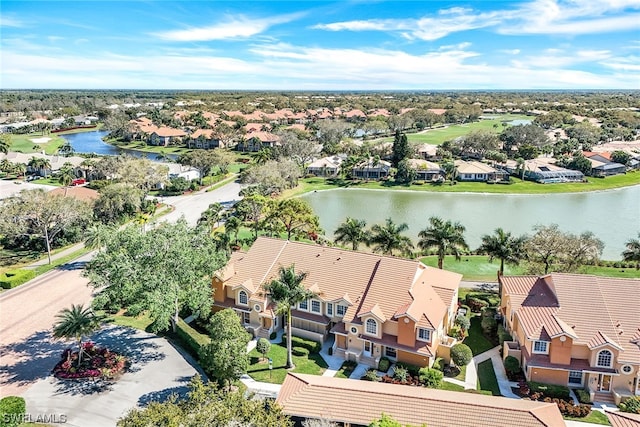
(78, 181)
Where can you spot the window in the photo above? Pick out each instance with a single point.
(424, 334)
(315, 306)
(626, 369)
(341, 310)
(243, 298)
(329, 309)
(372, 327)
(541, 347)
(390, 352)
(246, 318)
(575, 377)
(354, 330)
(303, 305)
(604, 359)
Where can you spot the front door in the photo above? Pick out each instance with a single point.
(604, 382)
(368, 348)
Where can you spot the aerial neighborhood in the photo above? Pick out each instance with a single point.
(320, 214)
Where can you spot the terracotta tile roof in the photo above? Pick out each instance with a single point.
(360, 402)
(81, 193)
(206, 133)
(167, 131)
(262, 136)
(623, 419)
(556, 302)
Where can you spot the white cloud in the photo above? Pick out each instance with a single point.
(6, 21)
(629, 64)
(238, 27)
(510, 51)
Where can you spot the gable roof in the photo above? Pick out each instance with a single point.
(556, 303)
(623, 419)
(361, 402)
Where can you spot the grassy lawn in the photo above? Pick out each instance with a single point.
(58, 262)
(24, 143)
(313, 364)
(463, 373)
(476, 340)
(595, 417)
(487, 378)
(450, 386)
(47, 181)
(345, 370)
(141, 322)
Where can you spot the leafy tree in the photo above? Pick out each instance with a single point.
(225, 358)
(330, 133)
(301, 151)
(405, 174)
(76, 322)
(202, 160)
(515, 137)
(580, 163)
(461, 354)
(5, 142)
(632, 251)
(503, 246)
(400, 149)
(263, 346)
(272, 177)
(478, 143)
(295, 216)
(36, 213)
(444, 236)
(352, 231)
(211, 216)
(141, 173)
(386, 421)
(117, 202)
(207, 404)
(164, 271)
(621, 157)
(287, 291)
(388, 238)
(251, 209)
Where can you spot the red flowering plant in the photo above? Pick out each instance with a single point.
(96, 362)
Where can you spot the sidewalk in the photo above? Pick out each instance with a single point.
(498, 367)
(56, 256)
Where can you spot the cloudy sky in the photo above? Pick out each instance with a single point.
(305, 45)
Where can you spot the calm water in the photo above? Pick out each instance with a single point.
(91, 142)
(613, 216)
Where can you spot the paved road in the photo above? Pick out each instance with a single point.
(27, 313)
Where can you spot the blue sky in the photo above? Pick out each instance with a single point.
(305, 45)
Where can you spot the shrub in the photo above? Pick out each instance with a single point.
(632, 405)
(463, 322)
(371, 375)
(384, 364)
(503, 335)
(475, 304)
(456, 332)
(431, 378)
(461, 354)
(312, 346)
(273, 335)
(549, 390)
(192, 339)
(568, 408)
(438, 364)
(300, 351)
(12, 411)
(263, 346)
(583, 396)
(401, 374)
(12, 278)
(511, 365)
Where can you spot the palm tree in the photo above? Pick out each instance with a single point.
(632, 253)
(66, 149)
(503, 246)
(6, 166)
(351, 231)
(98, 235)
(287, 291)
(387, 238)
(520, 167)
(5, 143)
(76, 322)
(66, 177)
(232, 226)
(262, 156)
(444, 236)
(212, 215)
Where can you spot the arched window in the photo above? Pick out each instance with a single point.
(604, 359)
(243, 298)
(372, 327)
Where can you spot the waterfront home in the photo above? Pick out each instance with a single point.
(602, 165)
(368, 306)
(56, 163)
(371, 169)
(164, 136)
(426, 171)
(355, 403)
(478, 171)
(575, 330)
(428, 152)
(257, 140)
(326, 166)
(544, 171)
(204, 138)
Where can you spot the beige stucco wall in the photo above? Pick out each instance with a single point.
(413, 359)
(560, 351)
(549, 376)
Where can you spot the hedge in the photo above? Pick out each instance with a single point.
(300, 351)
(312, 346)
(503, 335)
(12, 278)
(631, 405)
(583, 395)
(193, 339)
(384, 364)
(549, 390)
(12, 411)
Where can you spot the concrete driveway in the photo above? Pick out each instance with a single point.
(10, 188)
(157, 370)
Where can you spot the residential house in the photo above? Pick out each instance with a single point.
(371, 169)
(176, 170)
(426, 171)
(326, 166)
(355, 403)
(367, 305)
(478, 171)
(204, 138)
(575, 330)
(602, 165)
(165, 135)
(544, 171)
(56, 162)
(428, 152)
(77, 192)
(257, 140)
(623, 419)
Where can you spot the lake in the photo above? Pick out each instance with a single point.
(613, 216)
(91, 142)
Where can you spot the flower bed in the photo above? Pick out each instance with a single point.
(96, 362)
(547, 393)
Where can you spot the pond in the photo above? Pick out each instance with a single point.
(613, 216)
(91, 142)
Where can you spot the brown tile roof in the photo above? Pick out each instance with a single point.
(262, 136)
(81, 193)
(557, 303)
(361, 402)
(623, 419)
(206, 133)
(167, 131)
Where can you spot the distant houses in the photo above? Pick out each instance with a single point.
(544, 171)
(479, 172)
(326, 167)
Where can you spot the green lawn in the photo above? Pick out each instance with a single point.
(487, 378)
(141, 322)
(47, 181)
(450, 386)
(476, 340)
(462, 374)
(259, 369)
(345, 370)
(24, 143)
(595, 417)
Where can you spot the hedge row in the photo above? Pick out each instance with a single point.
(12, 410)
(192, 339)
(12, 278)
(549, 390)
(312, 346)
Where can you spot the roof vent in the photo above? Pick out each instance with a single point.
(339, 258)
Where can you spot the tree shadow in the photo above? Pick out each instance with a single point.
(70, 266)
(163, 395)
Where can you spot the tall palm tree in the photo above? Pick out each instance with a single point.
(632, 253)
(66, 177)
(444, 236)
(212, 215)
(351, 231)
(506, 248)
(287, 291)
(75, 323)
(388, 238)
(262, 156)
(232, 226)
(97, 236)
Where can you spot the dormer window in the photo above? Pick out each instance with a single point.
(304, 305)
(315, 306)
(605, 357)
(371, 327)
(541, 347)
(243, 298)
(341, 309)
(424, 334)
